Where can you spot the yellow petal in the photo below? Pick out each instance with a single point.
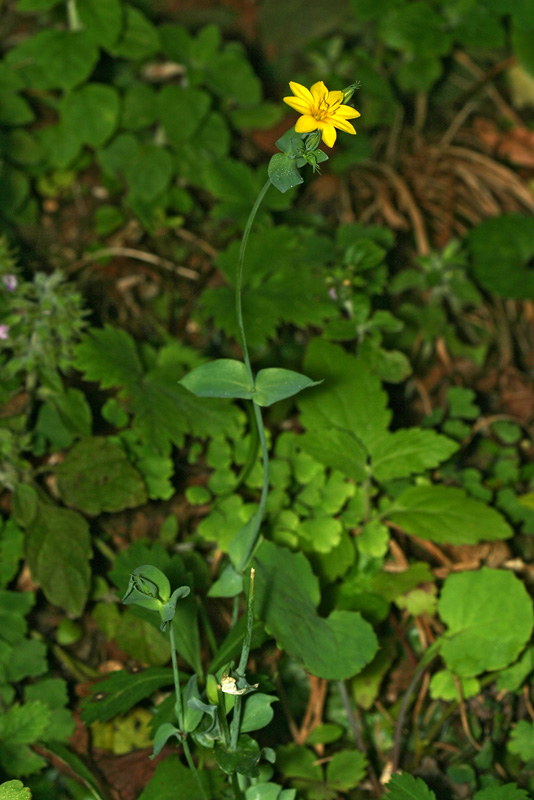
(347, 112)
(302, 106)
(342, 124)
(319, 91)
(329, 134)
(334, 97)
(301, 91)
(306, 124)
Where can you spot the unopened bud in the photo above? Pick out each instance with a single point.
(349, 91)
(10, 282)
(312, 140)
(4, 332)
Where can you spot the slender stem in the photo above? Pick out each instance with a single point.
(235, 786)
(239, 281)
(238, 706)
(430, 654)
(75, 23)
(223, 718)
(179, 711)
(264, 489)
(177, 690)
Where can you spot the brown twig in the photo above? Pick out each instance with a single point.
(138, 255)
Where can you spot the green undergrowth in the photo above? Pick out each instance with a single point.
(392, 573)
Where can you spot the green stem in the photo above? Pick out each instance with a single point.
(180, 713)
(239, 281)
(264, 490)
(238, 706)
(75, 23)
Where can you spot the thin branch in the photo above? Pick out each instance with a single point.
(138, 255)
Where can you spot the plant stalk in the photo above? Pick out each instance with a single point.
(238, 706)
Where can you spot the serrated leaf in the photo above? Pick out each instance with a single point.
(121, 691)
(13, 608)
(273, 385)
(181, 109)
(24, 724)
(58, 549)
(336, 448)
(224, 377)
(501, 249)
(489, 617)
(287, 594)
(346, 769)
(14, 790)
(508, 791)
(350, 397)
(108, 355)
(409, 451)
(447, 515)
(26, 659)
(406, 787)
(96, 476)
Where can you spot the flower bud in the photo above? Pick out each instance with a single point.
(349, 91)
(148, 587)
(4, 332)
(312, 140)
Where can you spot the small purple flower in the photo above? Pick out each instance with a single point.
(4, 332)
(332, 293)
(10, 282)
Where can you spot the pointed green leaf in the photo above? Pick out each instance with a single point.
(408, 451)
(275, 384)
(406, 787)
(121, 691)
(447, 515)
(14, 790)
(224, 377)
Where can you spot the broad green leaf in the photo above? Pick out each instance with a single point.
(26, 659)
(101, 19)
(512, 678)
(149, 171)
(244, 759)
(489, 617)
(349, 398)
(77, 767)
(263, 791)
(139, 39)
(522, 740)
(296, 761)
(138, 107)
(96, 476)
(169, 775)
(228, 584)
(14, 188)
(416, 28)
(13, 608)
(502, 248)
(230, 75)
(276, 384)
(283, 172)
(11, 550)
(53, 59)
(320, 534)
(181, 110)
(91, 112)
(338, 448)
(58, 549)
(24, 724)
(287, 594)
(109, 356)
(408, 451)
(365, 686)
(447, 515)
(406, 787)
(223, 377)
(121, 691)
(346, 769)
(14, 110)
(14, 790)
(258, 712)
(508, 791)
(443, 686)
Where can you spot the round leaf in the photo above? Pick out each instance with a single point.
(489, 617)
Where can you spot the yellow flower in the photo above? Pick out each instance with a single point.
(321, 110)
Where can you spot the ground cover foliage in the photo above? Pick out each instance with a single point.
(393, 610)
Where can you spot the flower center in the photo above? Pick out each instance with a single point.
(325, 109)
